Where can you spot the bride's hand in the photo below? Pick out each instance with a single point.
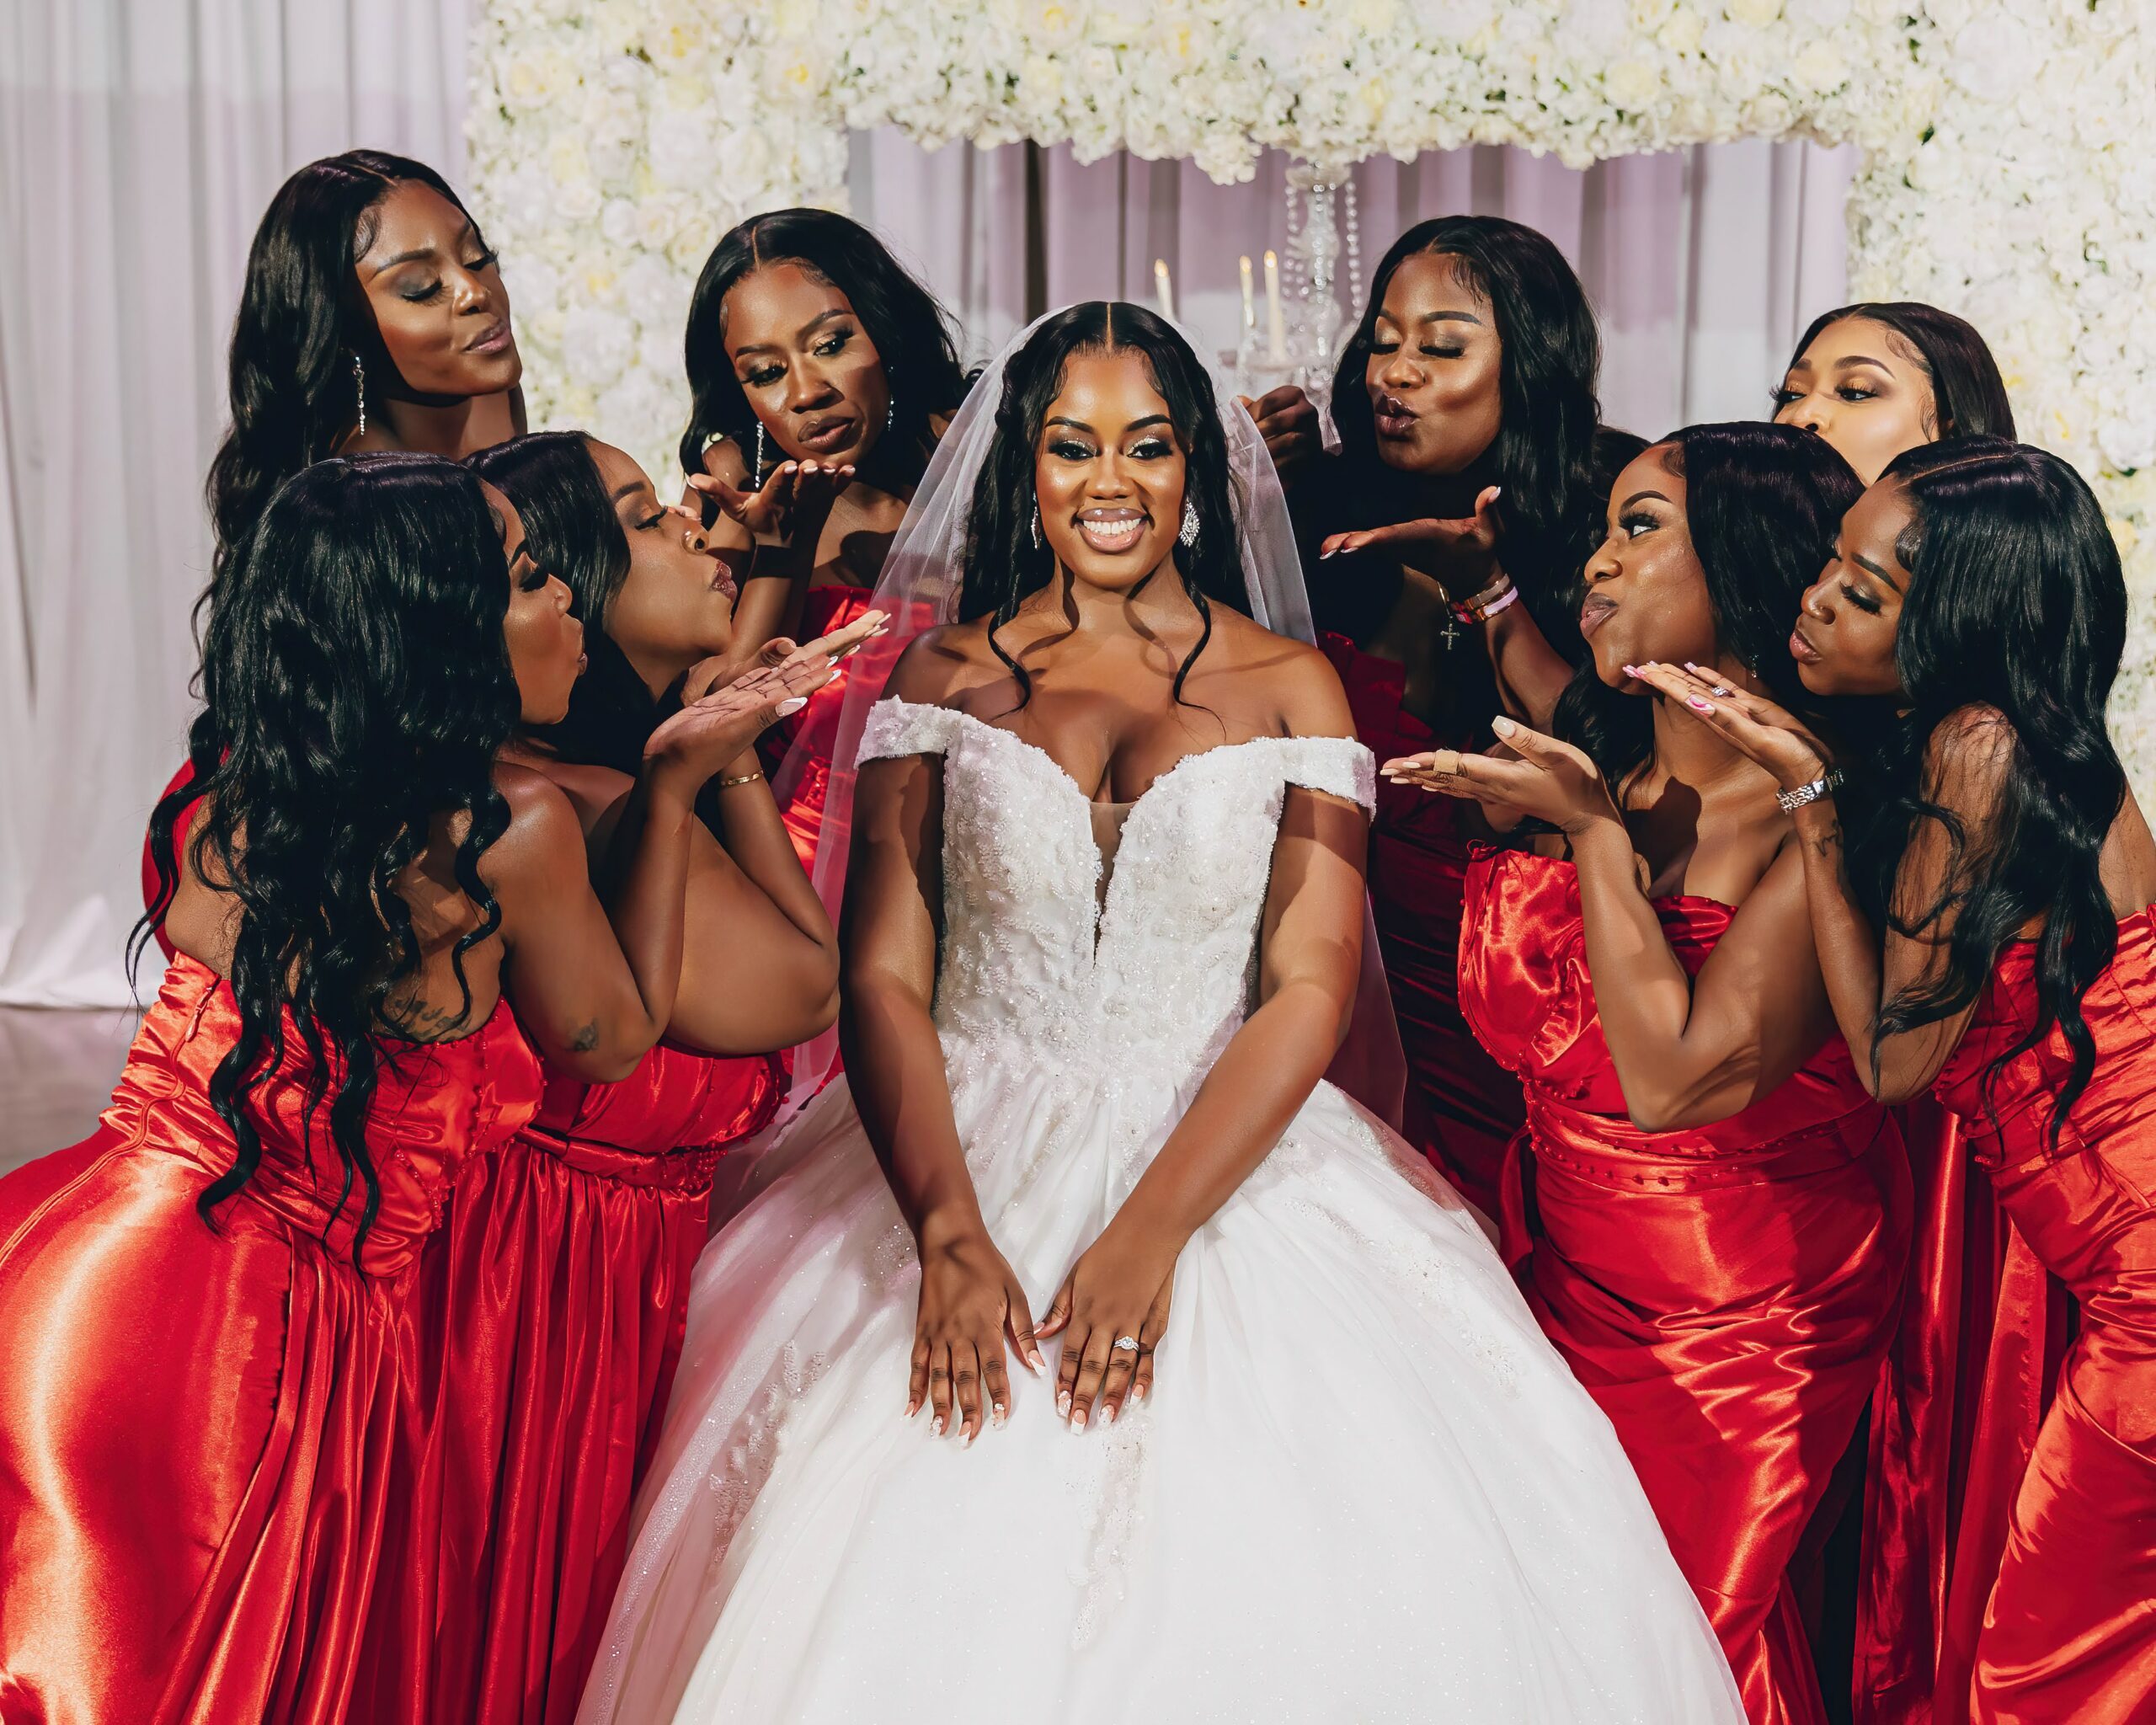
(1119, 1289)
(970, 1299)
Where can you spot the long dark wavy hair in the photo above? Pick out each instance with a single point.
(1968, 395)
(2016, 603)
(1544, 455)
(1762, 504)
(301, 321)
(356, 685)
(1004, 565)
(913, 335)
(572, 531)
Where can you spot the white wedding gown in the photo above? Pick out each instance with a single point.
(1365, 1488)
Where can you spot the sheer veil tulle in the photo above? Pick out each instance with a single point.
(919, 590)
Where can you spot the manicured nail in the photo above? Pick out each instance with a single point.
(1138, 1392)
(1033, 1360)
(1497, 491)
(1078, 1421)
(1697, 705)
(1063, 1403)
(791, 705)
(967, 1443)
(1631, 670)
(1108, 1414)
(1327, 552)
(1000, 1416)
(1502, 725)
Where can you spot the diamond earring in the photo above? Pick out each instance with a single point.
(1034, 527)
(360, 381)
(757, 482)
(1189, 532)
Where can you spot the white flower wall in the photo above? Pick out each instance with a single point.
(2010, 170)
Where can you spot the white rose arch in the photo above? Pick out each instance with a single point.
(2009, 156)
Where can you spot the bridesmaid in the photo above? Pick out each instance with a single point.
(373, 317)
(809, 349)
(206, 1332)
(1714, 1211)
(1472, 478)
(565, 1261)
(2017, 982)
(1879, 377)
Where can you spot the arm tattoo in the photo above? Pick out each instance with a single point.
(584, 1041)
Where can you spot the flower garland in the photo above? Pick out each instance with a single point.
(2007, 174)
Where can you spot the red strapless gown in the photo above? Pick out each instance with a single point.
(2070, 1632)
(1725, 1293)
(801, 792)
(200, 1460)
(1463, 1107)
(561, 1283)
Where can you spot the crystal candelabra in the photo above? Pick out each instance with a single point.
(1321, 212)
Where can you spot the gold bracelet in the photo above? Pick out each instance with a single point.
(744, 778)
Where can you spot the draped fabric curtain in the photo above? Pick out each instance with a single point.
(1704, 263)
(140, 141)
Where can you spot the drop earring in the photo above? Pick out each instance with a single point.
(1189, 532)
(1034, 527)
(360, 382)
(756, 482)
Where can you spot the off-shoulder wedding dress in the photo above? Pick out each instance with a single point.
(1364, 1489)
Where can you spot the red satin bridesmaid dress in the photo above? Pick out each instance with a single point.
(2070, 1630)
(560, 1286)
(801, 791)
(199, 1430)
(1463, 1107)
(1725, 1293)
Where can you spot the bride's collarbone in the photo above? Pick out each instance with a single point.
(1113, 746)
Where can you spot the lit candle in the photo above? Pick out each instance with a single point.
(1250, 297)
(1163, 289)
(1276, 330)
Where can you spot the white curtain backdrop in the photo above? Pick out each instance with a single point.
(140, 140)
(1705, 263)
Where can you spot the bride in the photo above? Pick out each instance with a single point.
(1285, 1442)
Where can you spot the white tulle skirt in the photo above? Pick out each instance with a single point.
(1365, 1488)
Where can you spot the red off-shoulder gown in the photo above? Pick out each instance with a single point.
(560, 1286)
(2070, 1630)
(1463, 1107)
(801, 790)
(200, 1431)
(1725, 1293)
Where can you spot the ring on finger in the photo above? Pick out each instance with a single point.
(1127, 1344)
(1725, 693)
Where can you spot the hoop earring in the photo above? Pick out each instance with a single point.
(360, 380)
(1188, 533)
(756, 484)
(1034, 527)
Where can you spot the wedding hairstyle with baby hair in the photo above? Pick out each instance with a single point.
(300, 324)
(1544, 455)
(912, 333)
(1968, 395)
(1004, 564)
(1763, 504)
(2010, 638)
(356, 685)
(571, 530)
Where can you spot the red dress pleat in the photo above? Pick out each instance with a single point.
(201, 1468)
(1725, 1293)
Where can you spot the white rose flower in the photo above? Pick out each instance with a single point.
(1819, 66)
(617, 223)
(1632, 85)
(1756, 13)
(1991, 56)
(681, 149)
(596, 343)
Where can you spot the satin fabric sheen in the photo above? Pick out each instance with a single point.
(801, 792)
(1725, 1293)
(560, 1284)
(201, 1451)
(1463, 1107)
(2069, 1632)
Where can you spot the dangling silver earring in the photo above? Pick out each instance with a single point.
(1034, 527)
(360, 378)
(1189, 533)
(757, 482)
(890, 413)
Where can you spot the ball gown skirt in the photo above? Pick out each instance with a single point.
(1463, 1107)
(2070, 1630)
(1725, 1293)
(202, 1432)
(1364, 1489)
